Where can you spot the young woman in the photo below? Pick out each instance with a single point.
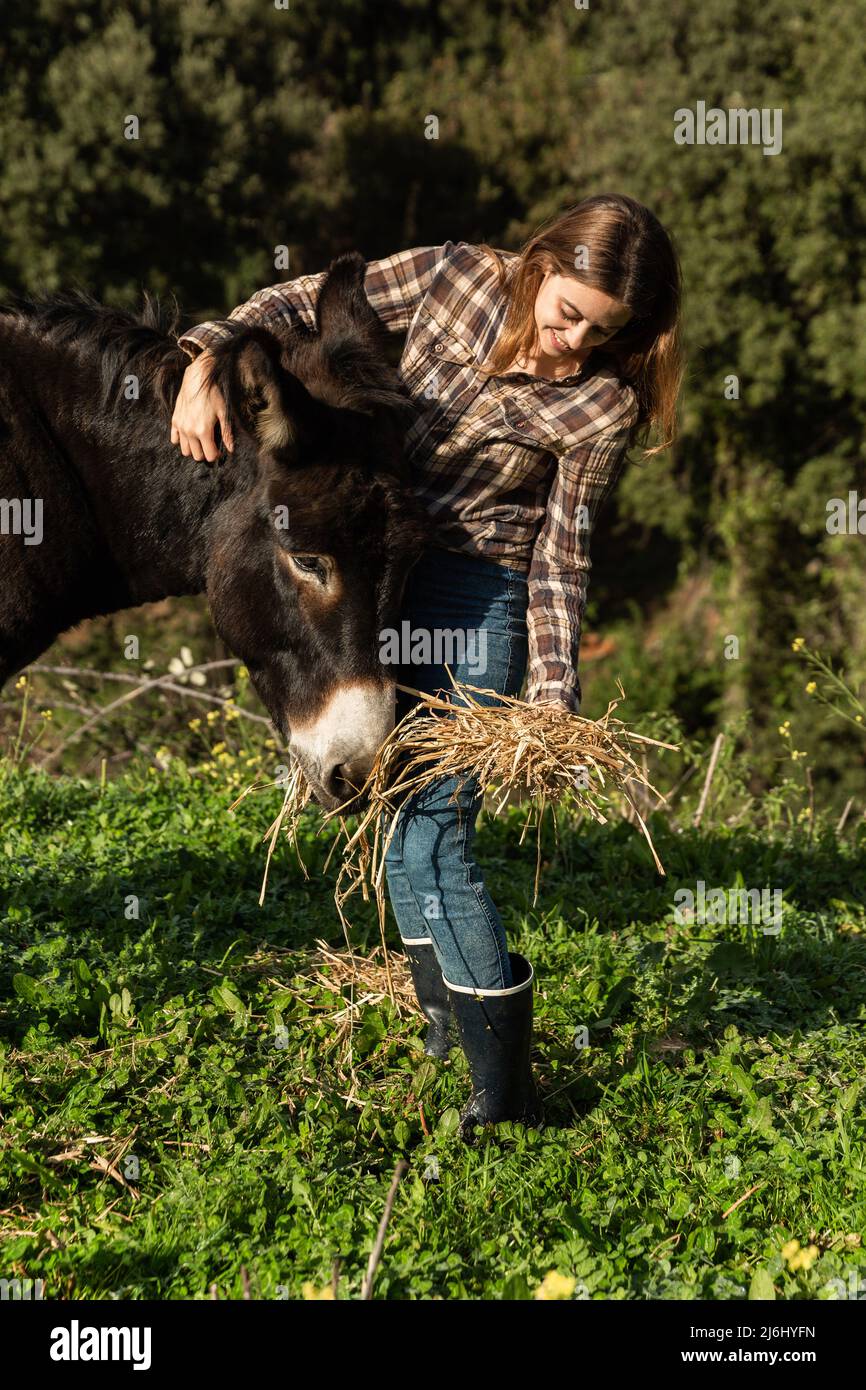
(538, 370)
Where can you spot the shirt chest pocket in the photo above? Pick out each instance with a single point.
(434, 354)
(513, 423)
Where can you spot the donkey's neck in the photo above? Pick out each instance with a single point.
(151, 509)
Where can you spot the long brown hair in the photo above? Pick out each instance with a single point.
(630, 257)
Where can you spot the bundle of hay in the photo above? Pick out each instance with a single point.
(552, 757)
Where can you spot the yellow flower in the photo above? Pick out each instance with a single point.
(218, 748)
(799, 1258)
(46, 714)
(194, 724)
(243, 673)
(785, 729)
(311, 1293)
(212, 716)
(555, 1286)
(811, 687)
(21, 683)
(798, 644)
(858, 719)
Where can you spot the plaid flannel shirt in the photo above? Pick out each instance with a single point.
(513, 468)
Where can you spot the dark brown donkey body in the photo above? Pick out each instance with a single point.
(301, 539)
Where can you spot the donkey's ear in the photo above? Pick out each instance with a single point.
(270, 403)
(260, 398)
(342, 306)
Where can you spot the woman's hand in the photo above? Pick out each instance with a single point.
(197, 410)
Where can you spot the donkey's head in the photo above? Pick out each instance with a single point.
(307, 570)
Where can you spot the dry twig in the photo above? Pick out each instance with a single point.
(376, 1252)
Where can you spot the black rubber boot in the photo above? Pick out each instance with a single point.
(433, 997)
(495, 1028)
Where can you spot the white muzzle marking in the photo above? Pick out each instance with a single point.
(351, 728)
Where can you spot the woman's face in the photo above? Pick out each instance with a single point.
(572, 319)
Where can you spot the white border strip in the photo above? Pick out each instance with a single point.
(493, 993)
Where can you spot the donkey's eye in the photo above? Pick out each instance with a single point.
(310, 564)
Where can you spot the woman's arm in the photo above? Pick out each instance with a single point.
(561, 564)
(394, 287)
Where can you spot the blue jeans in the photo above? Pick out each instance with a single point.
(435, 886)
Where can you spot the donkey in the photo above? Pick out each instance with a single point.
(302, 539)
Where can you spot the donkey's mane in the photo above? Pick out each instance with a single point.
(119, 341)
(344, 371)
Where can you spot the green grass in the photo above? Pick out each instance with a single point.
(720, 1060)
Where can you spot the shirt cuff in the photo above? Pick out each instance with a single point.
(202, 337)
(563, 692)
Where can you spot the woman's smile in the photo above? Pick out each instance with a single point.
(558, 342)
